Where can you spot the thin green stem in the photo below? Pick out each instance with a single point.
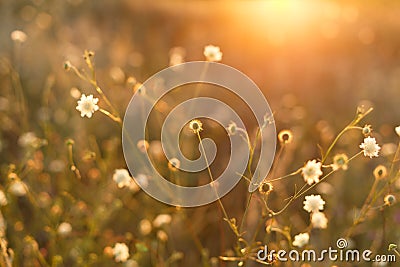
(225, 214)
(350, 126)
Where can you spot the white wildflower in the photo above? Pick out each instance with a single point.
(313, 203)
(18, 36)
(319, 220)
(370, 147)
(176, 56)
(64, 229)
(311, 172)
(87, 105)
(212, 53)
(397, 130)
(18, 188)
(162, 219)
(121, 252)
(301, 240)
(28, 139)
(162, 236)
(145, 227)
(122, 177)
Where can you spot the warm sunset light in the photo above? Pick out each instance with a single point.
(200, 133)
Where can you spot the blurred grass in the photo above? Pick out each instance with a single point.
(314, 60)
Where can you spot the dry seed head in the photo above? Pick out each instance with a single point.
(67, 65)
(285, 137)
(232, 128)
(195, 126)
(340, 162)
(367, 130)
(265, 188)
(380, 172)
(392, 247)
(389, 200)
(87, 54)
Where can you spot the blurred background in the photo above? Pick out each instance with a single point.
(315, 61)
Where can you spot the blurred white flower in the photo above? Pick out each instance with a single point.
(370, 147)
(397, 130)
(319, 220)
(142, 180)
(28, 139)
(117, 75)
(121, 252)
(3, 199)
(56, 165)
(301, 240)
(142, 145)
(388, 149)
(176, 56)
(162, 236)
(64, 229)
(311, 172)
(18, 188)
(212, 53)
(87, 105)
(122, 177)
(145, 227)
(18, 36)
(313, 203)
(162, 219)
(75, 93)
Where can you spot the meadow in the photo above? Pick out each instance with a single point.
(69, 69)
